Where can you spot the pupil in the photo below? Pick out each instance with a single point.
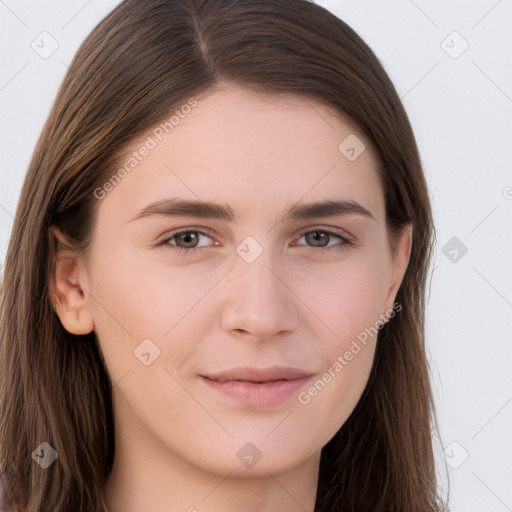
(316, 236)
(189, 237)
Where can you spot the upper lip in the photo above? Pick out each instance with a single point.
(252, 374)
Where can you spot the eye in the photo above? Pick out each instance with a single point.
(320, 238)
(184, 240)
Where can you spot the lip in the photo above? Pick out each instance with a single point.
(259, 387)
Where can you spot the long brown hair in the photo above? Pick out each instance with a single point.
(144, 60)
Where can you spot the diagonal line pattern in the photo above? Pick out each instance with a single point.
(491, 419)
(420, 80)
(170, 170)
(286, 491)
(165, 165)
(493, 287)
(76, 14)
(492, 81)
(306, 193)
(7, 211)
(425, 14)
(508, 508)
(301, 300)
(280, 423)
(14, 76)
(492, 211)
(189, 310)
(321, 115)
(216, 487)
(200, 404)
(2, 2)
(119, 380)
(488, 12)
(106, 311)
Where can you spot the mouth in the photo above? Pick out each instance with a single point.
(260, 375)
(259, 387)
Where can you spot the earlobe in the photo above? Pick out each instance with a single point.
(74, 321)
(67, 295)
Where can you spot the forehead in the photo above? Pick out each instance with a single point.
(248, 149)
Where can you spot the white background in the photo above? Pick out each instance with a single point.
(460, 106)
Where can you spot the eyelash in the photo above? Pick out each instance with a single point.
(181, 250)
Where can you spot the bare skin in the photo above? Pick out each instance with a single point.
(315, 284)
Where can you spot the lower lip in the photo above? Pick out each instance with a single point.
(253, 394)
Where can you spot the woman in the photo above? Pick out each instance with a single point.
(214, 288)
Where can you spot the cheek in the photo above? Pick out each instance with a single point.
(346, 297)
(136, 299)
(349, 303)
(336, 392)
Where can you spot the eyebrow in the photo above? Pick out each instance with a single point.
(211, 210)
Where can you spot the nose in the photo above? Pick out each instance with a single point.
(258, 304)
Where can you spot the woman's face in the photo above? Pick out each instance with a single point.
(264, 285)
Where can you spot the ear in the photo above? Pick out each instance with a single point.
(65, 287)
(402, 245)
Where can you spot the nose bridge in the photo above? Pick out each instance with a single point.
(256, 300)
